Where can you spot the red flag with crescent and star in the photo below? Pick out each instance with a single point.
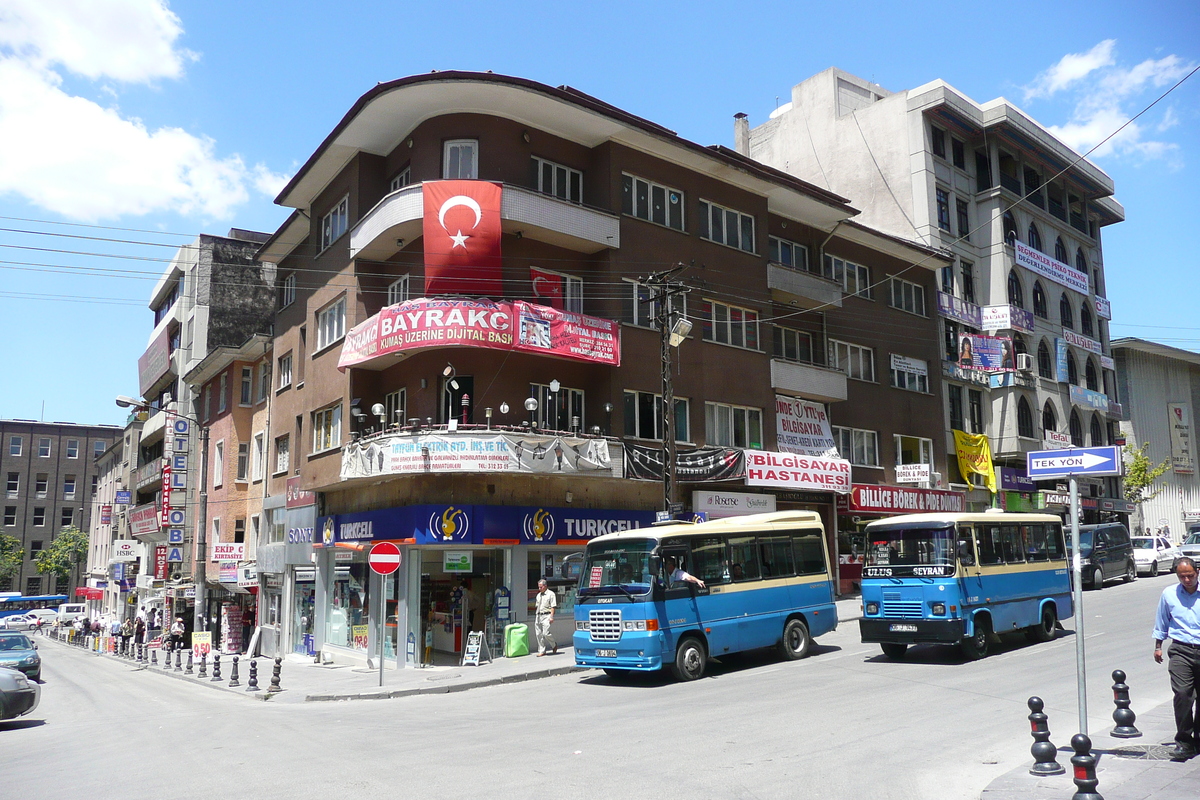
(462, 238)
(547, 287)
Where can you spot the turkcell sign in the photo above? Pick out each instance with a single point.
(1095, 461)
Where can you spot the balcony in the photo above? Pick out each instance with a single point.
(148, 473)
(808, 381)
(1011, 182)
(1057, 210)
(1080, 224)
(399, 217)
(1037, 198)
(802, 289)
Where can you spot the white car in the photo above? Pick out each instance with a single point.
(1191, 546)
(19, 622)
(1153, 554)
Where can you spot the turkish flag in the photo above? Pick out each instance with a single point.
(462, 238)
(547, 287)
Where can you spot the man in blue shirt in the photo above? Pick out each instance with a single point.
(1179, 620)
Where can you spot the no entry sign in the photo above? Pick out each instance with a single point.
(384, 558)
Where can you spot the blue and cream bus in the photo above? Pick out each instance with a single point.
(767, 583)
(12, 603)
(963, 578)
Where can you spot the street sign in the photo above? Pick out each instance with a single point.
(384, 558)
(1095, 461)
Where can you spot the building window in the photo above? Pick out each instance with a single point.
(15, 445)
(14, 484)
(1009, 223)
(1072, 370)
(1076, 428)
(397, 291)
(1085, 320)
(39, 517)
(908, 296)
(726, 226)
(206, 405)
(460, 160)
(557, 180)
(33, 586)
(98, 449)
(218, 465)
(787, 254)
(732, 426)
(964, 219)
(264, 380)
(1016, 295)
(913, 450)
(216, 529)
(943, 208)
(44, 447)
(637, 307)
(282, 454)
(1024, 419)
(1060, 250)
(643, 416)
(10, 516)
(1045, 365)
(41, 484)
(72, 448)
(327, 428)
(69, 484)
(558, 411)
(652, 202)
(285, 371)
(243, 461)
(792, 345)
(335, 223)
(910, 373)
(395, 407)
(287, 292)
(859, 447)
(1097, 432)
(967, 271)
(856, 361)
(1064, 311)
(223, 392)
(258, 456)
(959, 153)
(947, 279)
(95, 484)
(1039, 301)
(66, 517)
(728, 324)
(937, 138)
(1049, 418)
(1035, 238)
(404, 178)
(331, 324)
(1090, 378)
(560, 291)
(247, 395)
(854, 278)
(974, 411)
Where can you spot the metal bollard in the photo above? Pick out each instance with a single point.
(141, 648)
(216, 667)
(252, 685)
(178, 660)
(275, 687)
(233, 674)
(1045, 754)
(1123, 715)
(1084, 766)
(188, 670)
(154, 656)
(167, 657)
(203, 666)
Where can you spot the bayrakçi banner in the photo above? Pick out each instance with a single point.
(696, 465)
(975, 456)
(461, 228)
(399, 331)
(406, 454)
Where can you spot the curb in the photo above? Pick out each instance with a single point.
(451, 689)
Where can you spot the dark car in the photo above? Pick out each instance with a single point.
(1107, 554)
(17, 651)
(18, 695)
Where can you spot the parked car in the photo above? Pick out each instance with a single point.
(18, 694)
(1154, 553)
(19, 622)
(1107, 554)
(17, 651)
(1191, 546)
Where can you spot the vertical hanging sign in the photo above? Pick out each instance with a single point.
(461, 229)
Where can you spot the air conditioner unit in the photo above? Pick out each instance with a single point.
(1024, 362)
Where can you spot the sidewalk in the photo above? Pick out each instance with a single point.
(1127, 769)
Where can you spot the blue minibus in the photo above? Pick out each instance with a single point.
(963, 578)
(766, 583)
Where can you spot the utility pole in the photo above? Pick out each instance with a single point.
(671, 332)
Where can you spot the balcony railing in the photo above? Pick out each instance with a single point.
(1011, 182)
(1080, 224)
(808, 380)
(1037, 198)
(802, 289)
(1056, 210)
(147, 474)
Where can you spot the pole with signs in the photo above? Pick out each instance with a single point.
(1045, 465)
(384, 559)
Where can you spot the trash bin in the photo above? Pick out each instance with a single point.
(516, 640)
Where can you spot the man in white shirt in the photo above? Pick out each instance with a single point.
(544, 605)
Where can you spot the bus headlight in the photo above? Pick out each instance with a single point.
(939, 609)
(583, 625)
(640, 625)
(872, 608)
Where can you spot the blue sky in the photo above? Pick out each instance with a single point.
(128, 126)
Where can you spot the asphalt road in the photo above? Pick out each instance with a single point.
(844, 723)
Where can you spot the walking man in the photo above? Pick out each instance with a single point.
(544, 606)
(1179, 620)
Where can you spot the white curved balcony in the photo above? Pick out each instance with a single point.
(808, 381)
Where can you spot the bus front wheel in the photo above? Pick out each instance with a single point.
(690, 660)
(796, 641)
(894, 650)
(975, 646)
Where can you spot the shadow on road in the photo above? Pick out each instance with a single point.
(730, 664)
(951, 654)
(19, 724)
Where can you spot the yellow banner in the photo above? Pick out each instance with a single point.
(975, 456)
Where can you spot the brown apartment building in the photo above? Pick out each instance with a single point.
(797, 312)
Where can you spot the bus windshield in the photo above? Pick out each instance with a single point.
(913, 550)
(619, 567)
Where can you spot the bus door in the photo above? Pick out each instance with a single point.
(972, 581)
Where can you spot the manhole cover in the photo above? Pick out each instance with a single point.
(450, 676)
(1144, 752)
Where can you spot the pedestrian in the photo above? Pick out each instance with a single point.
(1179, 620)
(139, 630)
(175, 640)
(544, 605)
(126, 635)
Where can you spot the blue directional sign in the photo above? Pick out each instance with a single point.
(1094, 461)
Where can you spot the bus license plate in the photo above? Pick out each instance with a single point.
(606, 654)
(902, 628)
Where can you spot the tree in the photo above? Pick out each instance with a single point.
(11, 555)
(1140, 474)
(64, 555)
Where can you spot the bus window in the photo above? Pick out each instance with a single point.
(1035, 542)
(1054, 542)
(743, 556)
(810, 556)
(1012, 543)
(776, 552)
(965, 547)
(710, 560)
(991, 551)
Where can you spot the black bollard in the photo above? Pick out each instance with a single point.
(167, 657)
(216, 667)
(275, 687)
(178, 660)
(188, 669)
(1084, 765)
(233, 674)
(252, 685)
(141, 653)
(1045, 754)
(154, 656)
(203, 666)
(1123, 715)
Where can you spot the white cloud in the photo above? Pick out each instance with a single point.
(72, 156)
(267, 182)
(1169, 120)
(1071, 69)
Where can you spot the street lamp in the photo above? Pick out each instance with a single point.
(554, 387)
(531, 405)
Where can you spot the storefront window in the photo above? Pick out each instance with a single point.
(303, 605)
(349, 605)
(561, 570)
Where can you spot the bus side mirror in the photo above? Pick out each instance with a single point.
(965, 554)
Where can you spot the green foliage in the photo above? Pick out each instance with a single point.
(1140, 474)
(10, 555)
(66, 552)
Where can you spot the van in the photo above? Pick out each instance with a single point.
(1107, 554)
(69, 612)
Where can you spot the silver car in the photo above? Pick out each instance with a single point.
(1153, 554)
(1191, 546)
(18, 694)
